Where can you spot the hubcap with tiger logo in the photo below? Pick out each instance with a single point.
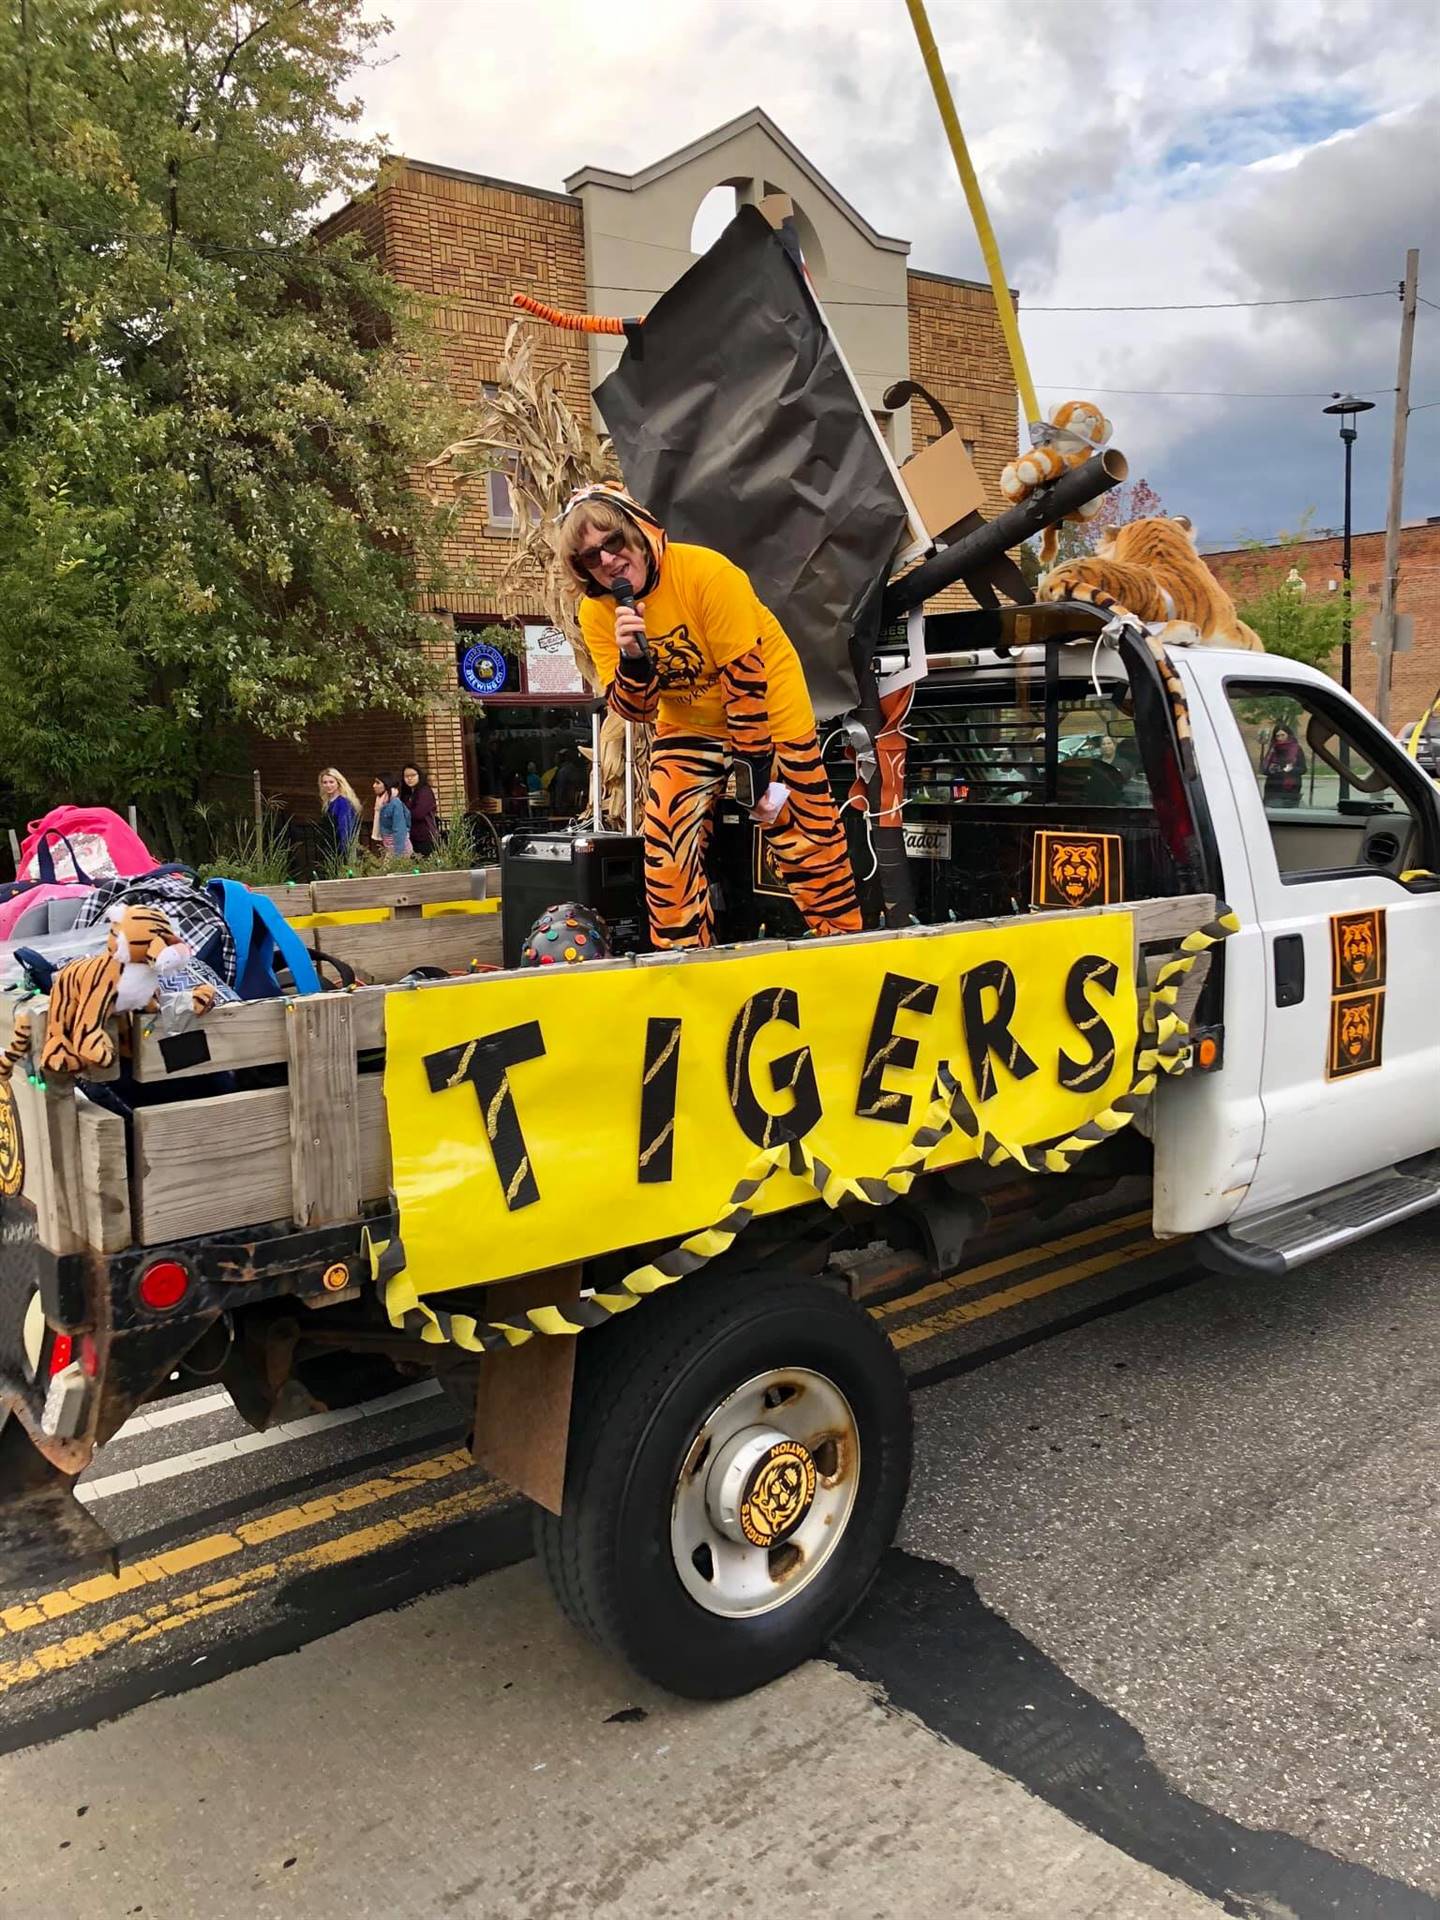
(765, 1492)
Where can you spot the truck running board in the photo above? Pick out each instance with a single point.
(1287, 1237)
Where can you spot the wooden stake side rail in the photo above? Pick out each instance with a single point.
(388, 950)
(316, 1149)
(206, 1166)
(394, 890)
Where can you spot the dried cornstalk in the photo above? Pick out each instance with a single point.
(526, 426)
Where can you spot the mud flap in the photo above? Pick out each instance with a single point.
(46, 1537)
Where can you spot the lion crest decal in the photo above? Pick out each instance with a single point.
(1357, 950)
(1075, 869)
(1356, 1022)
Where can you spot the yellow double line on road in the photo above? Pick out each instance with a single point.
(165, 1614)
(1067, 1274)
(162, 1616)
(220, 1595)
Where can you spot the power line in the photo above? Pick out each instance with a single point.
(1215, 306)
(1178, 306)
(1181, 393)
(1427, 303)
(306, 243)
(1145, 393)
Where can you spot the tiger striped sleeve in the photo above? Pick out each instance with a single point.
(631, 685)
(634, 693)
(746, 689)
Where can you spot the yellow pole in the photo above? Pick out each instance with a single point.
(1004, 306)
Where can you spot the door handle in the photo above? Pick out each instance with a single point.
(1289, 969)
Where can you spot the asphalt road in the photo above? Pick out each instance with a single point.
(1167, 1576)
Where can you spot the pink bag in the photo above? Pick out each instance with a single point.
(88, 843)
(22, 904)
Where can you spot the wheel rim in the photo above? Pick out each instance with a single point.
(766, 1492)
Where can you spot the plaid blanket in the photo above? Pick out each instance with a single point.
(191, 911)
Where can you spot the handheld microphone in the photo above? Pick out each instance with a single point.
(624, 596)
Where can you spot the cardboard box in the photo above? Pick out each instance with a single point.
(943, 484)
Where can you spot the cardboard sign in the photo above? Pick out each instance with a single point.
(943, 483)
(542, 1119)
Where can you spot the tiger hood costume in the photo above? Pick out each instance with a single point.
(652, 535)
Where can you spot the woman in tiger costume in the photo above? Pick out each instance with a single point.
(721, 680)
(1151, 569)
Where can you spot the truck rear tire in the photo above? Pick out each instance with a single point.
(738, 1462)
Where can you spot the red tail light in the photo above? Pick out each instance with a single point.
(62, 1348)
(163, 1285)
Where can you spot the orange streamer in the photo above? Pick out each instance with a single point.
(571, 322)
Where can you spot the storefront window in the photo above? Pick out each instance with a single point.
(523, 740)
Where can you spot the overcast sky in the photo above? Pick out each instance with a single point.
(1128, 155)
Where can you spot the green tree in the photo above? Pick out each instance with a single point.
(209, 418)
(1079, 538)
(1293, 617)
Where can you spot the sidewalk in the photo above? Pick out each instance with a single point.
(459, 1757)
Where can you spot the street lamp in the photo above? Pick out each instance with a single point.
(1347, 406)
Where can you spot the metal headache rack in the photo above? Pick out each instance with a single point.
(993, 735)
(960, 750)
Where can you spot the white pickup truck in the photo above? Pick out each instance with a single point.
(633, 1213)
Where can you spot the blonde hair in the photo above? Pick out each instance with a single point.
(590, 517)
(334, 773)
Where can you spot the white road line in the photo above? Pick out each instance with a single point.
(170, 1413)
(221, 1451)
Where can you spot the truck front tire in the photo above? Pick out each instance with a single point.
(738, 1462)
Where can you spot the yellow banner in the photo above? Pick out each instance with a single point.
(540, 1118)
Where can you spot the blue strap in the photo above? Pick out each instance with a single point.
(261, 934)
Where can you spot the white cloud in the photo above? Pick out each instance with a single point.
(1129, 155)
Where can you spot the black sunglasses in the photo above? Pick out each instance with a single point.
(614, 544)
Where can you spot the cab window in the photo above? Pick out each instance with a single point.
(1324, 784)
(993, 752)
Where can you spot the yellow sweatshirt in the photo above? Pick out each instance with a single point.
(703, 614)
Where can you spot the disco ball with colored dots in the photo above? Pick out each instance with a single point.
(563, 936)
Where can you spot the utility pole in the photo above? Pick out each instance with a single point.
(1391, 582)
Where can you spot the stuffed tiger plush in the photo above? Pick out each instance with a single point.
(1075, 430)
(18, 1045)
(1151, 569)
(87, 993)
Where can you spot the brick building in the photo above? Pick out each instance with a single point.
(612, 243)
(1248, 571)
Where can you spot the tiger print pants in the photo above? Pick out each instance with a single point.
(688, 773)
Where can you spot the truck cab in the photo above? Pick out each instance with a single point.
(1325, 1122)
(1320, 1119)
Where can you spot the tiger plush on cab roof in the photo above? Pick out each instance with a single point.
(1151, 569)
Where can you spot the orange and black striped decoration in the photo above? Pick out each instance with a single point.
(573, 322)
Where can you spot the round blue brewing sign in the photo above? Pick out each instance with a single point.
(483, 669)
